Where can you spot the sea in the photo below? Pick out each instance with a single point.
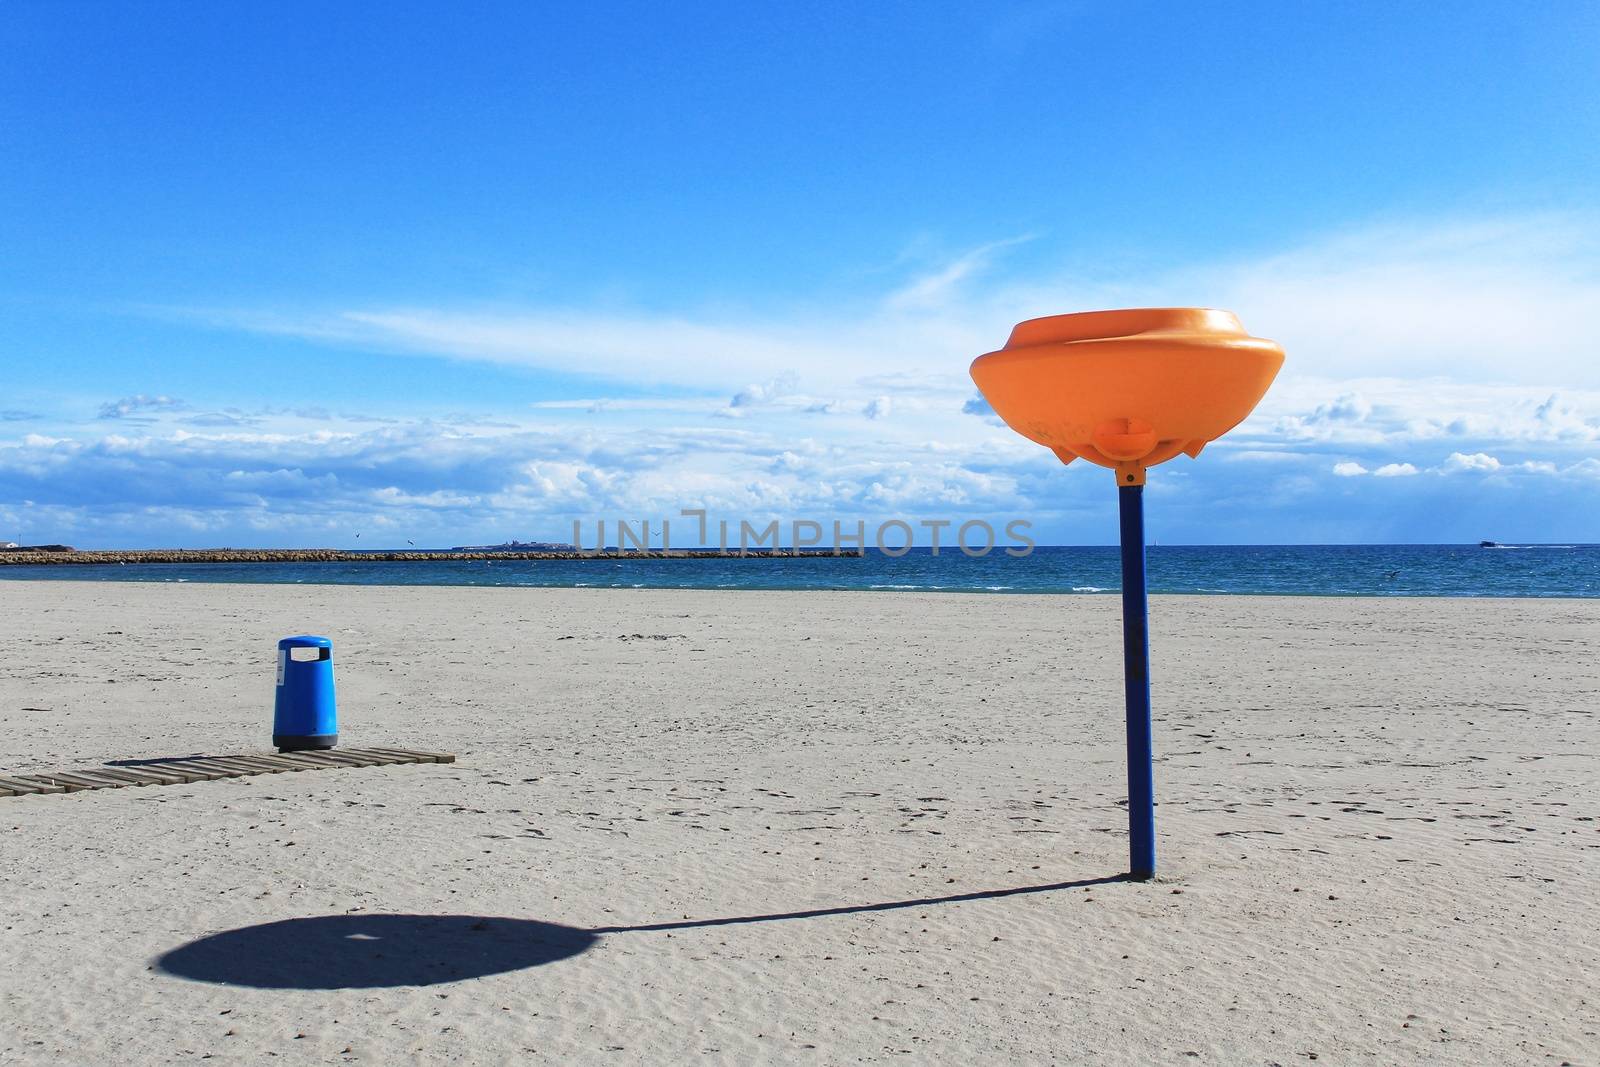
(1273, 570)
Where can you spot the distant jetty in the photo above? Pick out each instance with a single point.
(61, 554)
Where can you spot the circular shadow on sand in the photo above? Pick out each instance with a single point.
(372, 951)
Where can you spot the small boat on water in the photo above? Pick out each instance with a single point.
(1490, 544)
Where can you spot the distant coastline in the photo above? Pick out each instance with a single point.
(56, 555)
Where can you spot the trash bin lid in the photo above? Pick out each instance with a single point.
(305, 641)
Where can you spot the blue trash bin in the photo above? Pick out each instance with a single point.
(304, 715)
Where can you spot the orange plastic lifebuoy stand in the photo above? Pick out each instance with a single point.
(1128, 389)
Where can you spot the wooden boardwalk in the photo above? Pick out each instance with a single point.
(183, 770)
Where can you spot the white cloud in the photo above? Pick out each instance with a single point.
(438, 483)
(1349, 407)
(1461, 461)
(318, 485)
(755, 395)
(1589, 468)
(1477, 330)
(938, 289)
(1465, 340)
(630, 404)
(133, 405)
(1399, 413)
(1494, 300)
(1458, 463)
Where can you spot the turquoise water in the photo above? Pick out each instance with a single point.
(1296, 570)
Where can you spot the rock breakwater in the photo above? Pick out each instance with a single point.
(334, 555)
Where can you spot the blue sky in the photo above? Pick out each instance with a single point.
(282, 274)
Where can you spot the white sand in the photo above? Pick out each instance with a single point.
(1378, 830)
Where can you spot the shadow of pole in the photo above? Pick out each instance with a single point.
(379, 951)
(857, 909)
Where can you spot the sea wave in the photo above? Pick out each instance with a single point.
(1526, 548)
(1566, 569)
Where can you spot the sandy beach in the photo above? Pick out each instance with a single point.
(829, 828)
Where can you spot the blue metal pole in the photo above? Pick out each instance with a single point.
(1136, 682)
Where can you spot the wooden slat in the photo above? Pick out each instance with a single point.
(98, 774)
(186, 770)
(263, 764)
(19, 786)
(132, 777)
(315, 759)
(374, 758)
(76, 780)
(43, 780)
(378, 759)
(149, 773)
(187, 773)
(310, 762)
(420, 757)
(66, 787)
(413, 755)
(392, 755)
(345, 759)
(402, 755)
(152, 773)
(289, 761)
(260, 764)
(358, 759)
(181, 772)
(196, 770)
